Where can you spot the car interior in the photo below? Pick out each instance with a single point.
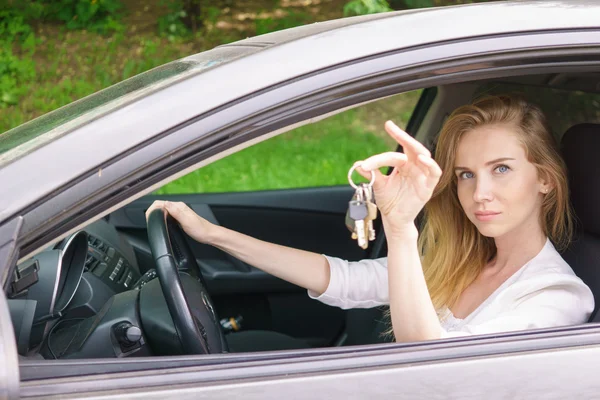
(95, 294)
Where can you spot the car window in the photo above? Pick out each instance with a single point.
(313, 155)
(563, 108)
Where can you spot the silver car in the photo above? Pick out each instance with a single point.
(91, 310)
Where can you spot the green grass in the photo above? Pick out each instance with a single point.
(313, 155)
(73, 64)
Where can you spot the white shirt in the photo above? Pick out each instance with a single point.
(545, 292)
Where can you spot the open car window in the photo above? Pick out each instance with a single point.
(314, 155)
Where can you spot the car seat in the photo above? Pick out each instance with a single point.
(581, 149)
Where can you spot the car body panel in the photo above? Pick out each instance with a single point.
(503, 362)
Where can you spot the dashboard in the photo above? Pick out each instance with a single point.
(71, 280)
(105, 261)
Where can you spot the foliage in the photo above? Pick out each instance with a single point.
(171, 25)
(186, 17)
(17, 45)
(292, 19)
(401, 4)
(419, 3)
(99, 16)
(362, 7)
(301, 158)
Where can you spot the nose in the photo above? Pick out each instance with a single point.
(483, 190)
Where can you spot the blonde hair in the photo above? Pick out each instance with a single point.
(454, 252)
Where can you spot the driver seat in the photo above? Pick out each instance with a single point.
(580, 146)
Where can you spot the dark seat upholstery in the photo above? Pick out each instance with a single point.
(581, 150)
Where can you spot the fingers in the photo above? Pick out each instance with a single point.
(433, 168)
(178, 210)
(397, 160)
(430, 168)
(409, 144)
(155, 205)
(389, 159)
(367, 173)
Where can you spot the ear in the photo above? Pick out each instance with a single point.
(545, 189)
(546, 185)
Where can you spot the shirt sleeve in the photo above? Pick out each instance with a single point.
(357, 284)
(568, 301)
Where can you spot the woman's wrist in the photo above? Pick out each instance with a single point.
(401, 232)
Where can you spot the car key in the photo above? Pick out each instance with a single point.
(361, 211)
(358, 211)
(349, 221)
(359, 195)
(372, 210)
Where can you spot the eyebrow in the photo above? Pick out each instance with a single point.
(497, 160)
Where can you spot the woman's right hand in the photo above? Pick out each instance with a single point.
(401, 195)
(194, 225)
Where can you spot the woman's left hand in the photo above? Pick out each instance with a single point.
(401, 195)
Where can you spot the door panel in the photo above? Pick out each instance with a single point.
(311, 219)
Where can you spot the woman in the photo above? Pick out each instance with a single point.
(495, 201)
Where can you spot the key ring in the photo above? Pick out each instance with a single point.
(352, 182)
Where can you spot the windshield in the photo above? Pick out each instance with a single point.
(33, 134)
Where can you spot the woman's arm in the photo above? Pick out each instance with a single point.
(412, 312)
(303, 268)
(356, 284)
(400, 197)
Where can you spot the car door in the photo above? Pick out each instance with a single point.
(457, 367)
(303, 206)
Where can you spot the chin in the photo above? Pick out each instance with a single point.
(490, 230)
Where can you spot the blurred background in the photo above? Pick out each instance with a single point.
(53, 52)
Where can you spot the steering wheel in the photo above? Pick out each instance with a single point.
(198, 329)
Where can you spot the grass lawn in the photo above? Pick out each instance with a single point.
(319, 154)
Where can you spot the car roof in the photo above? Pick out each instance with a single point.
(516, 15)
(283, 56)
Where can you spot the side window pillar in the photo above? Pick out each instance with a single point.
(9, 360)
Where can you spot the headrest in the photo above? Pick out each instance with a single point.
(581, 151)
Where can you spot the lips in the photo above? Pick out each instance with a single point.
(486, 215)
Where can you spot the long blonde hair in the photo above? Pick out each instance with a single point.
(454, 252)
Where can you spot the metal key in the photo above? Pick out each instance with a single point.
(361, 211)
(372, 211)
(349, 221)
(358, 211)
(359, 195)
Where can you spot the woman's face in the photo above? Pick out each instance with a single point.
(498, 188)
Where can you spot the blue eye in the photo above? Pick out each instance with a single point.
(502, 169)
(465, 175)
